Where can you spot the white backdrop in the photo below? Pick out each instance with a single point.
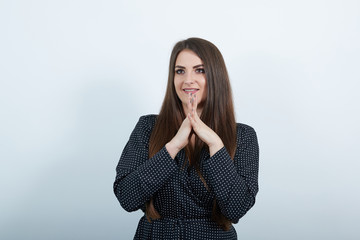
(77, 74)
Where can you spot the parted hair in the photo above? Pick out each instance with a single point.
(217, 113)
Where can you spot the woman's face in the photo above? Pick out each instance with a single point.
(190, 78)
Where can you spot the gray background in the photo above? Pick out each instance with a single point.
(76, 75)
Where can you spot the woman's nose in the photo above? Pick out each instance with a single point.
(189, 78)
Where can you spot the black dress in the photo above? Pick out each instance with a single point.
(179, 195)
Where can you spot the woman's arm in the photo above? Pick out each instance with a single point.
(235, 183)
(137, 176)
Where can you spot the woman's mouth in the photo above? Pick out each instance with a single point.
(190, 90)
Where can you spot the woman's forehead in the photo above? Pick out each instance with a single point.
(188, 58)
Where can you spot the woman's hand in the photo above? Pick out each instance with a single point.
(181, 139)
(205, 133)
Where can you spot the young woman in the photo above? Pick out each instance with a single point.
(192, 169)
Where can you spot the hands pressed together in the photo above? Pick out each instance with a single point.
(193, 122)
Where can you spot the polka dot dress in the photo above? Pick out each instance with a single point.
(179, 195)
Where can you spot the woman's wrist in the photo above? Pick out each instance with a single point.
(215, 147)
(172, 149)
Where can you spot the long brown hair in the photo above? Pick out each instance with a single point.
(217, 113)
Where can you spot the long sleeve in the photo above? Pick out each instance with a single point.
(235, 183)
(137, 176)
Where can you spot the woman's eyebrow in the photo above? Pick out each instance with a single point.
(178, 66)
(200, 65)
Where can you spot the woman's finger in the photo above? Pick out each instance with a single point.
(196, 116)
(192, 121)
(189, 104)
(195, 102)
(191, 109)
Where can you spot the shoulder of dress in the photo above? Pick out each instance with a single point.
(149, 118)
(245, 131)
(147, 122)
(143, 128)
(244, 126)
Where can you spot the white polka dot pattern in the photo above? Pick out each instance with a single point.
(178, 193)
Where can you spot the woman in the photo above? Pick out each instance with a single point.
(192, 169)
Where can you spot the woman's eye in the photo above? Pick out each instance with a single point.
(200, 70)
(179, 71)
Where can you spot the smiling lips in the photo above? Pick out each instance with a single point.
(190, 90)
